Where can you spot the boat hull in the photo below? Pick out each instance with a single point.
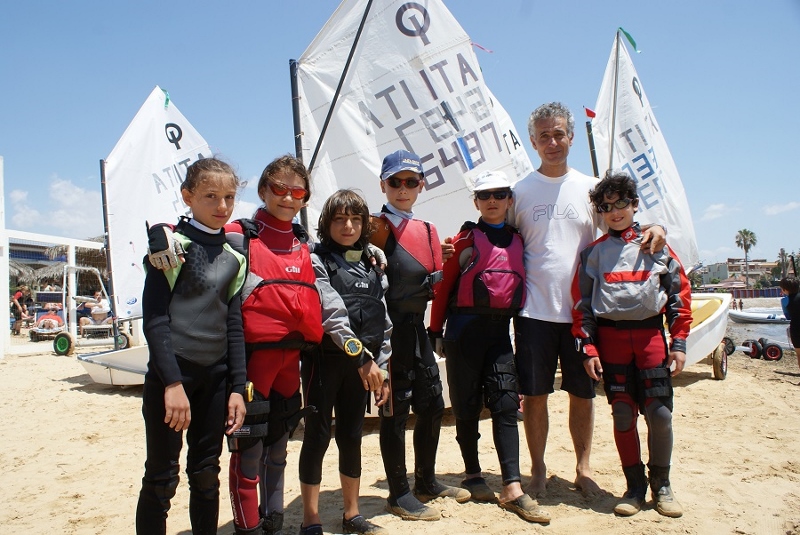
(123, 367)
(708, 327)
(756, 317)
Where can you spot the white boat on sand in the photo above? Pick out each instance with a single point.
(740, 316)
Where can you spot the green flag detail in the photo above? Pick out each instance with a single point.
(630, 40)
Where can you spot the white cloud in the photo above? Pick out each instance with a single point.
(775, 209)
(715, 211)
(65, 210)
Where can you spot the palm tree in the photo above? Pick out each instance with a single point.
(746, 240)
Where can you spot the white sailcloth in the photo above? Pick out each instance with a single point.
(143, 175)
(414, 84)
(639, 149)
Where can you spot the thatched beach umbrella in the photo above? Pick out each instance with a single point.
(19, 270)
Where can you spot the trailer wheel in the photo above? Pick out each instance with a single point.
(63, 344)
(123, 340)
(730, 347)
(719, 361)
(773, 352)
(753, 348)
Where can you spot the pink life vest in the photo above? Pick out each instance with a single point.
(494, 280)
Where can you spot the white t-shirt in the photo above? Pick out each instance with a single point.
(556, 221)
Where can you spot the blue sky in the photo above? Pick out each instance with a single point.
(722, 76)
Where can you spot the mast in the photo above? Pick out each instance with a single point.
(298, 134)
(592, 150)
(113, 298)
(614, 107)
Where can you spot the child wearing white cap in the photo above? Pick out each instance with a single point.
(479, 295)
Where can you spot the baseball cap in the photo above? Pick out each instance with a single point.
(491, 180)
(400, 160)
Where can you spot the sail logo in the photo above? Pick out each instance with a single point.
(174, 134)
(417, 29)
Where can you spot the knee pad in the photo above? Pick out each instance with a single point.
(163, 489)
(619, 379)
(501, 388)
(427, 386)
(655, 383)
(205, 481)
(624, 412)
(244, 498)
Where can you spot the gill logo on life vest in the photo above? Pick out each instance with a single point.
(292, 269)
(362, 284)
(502, 258)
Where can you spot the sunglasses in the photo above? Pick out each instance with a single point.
(499, 195)
(409, 183)
(279, 189)
(619, 204)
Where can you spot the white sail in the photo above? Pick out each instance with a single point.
(143, 175)
(414, 83)
(639, 148)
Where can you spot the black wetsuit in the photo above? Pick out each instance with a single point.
(194, 332)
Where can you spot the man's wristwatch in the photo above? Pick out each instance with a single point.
(353, 347)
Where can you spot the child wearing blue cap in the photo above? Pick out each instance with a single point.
(414, 270)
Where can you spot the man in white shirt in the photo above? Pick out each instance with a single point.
(556, 219)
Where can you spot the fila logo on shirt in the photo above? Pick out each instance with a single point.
(292, 269)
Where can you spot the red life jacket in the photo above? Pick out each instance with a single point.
(494, 280)
(284, 300)
(415, 266)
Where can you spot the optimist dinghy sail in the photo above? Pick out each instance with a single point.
(141, 182)
(628, 138)
(409, 80)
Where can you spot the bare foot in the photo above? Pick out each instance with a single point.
(587, 486)
(537, 488)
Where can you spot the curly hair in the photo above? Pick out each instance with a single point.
(619, 183)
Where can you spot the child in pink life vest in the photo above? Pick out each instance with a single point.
(483, 288)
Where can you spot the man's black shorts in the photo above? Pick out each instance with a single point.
(539, 344)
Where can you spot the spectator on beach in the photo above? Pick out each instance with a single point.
(741, 304)
(98, 312)
(352, 360)
(790, 302)
(482, 289)
(556, 221)
(192, 320)
(50, 320)
(19, 308)
(414, 270)
(733, 304)
(618, 322)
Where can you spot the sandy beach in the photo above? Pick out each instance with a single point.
(74, 455)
